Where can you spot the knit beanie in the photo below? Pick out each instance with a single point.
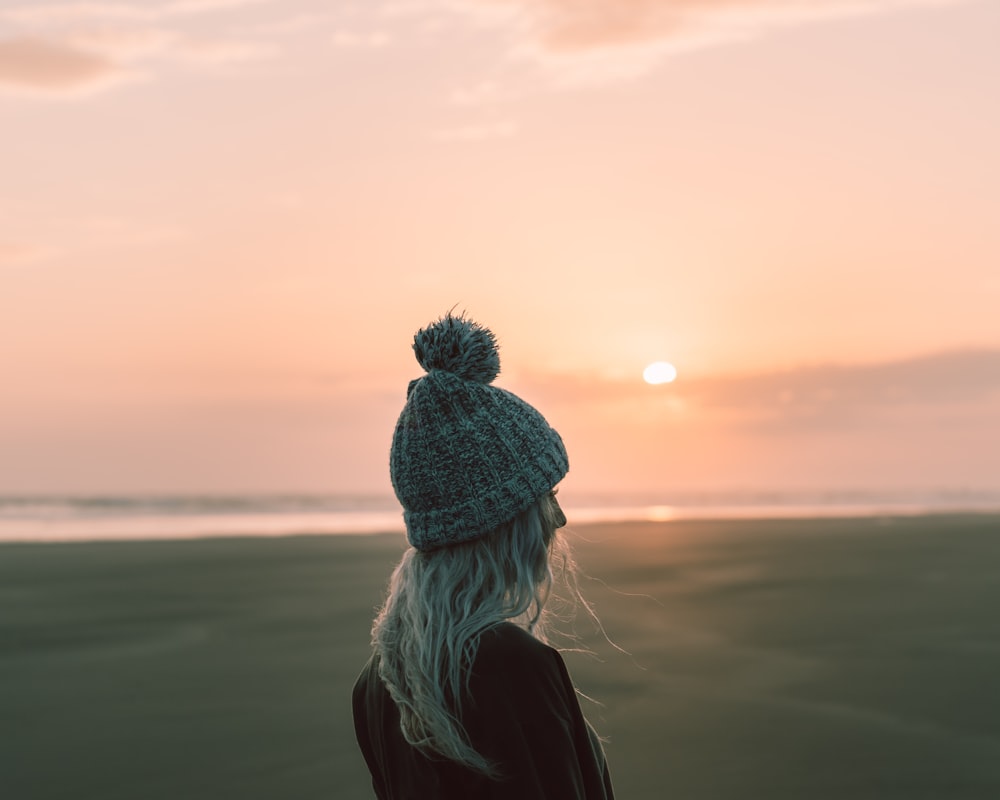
(466, 456)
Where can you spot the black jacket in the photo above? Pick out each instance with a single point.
(523, 715)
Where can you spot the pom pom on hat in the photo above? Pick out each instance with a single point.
(460, 346)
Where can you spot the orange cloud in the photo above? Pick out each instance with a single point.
(597, 41)
(929, 421)
(802, 395)
(562, 25)
(41, 65)
(59, 13)
(70, 48)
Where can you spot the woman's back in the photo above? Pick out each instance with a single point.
(521, 713)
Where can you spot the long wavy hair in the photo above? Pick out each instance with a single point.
(440, 602)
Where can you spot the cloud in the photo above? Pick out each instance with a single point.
(599, 41)
(50, 66)
(63, 13)
(569, 25)
(953, 380)
(85, 61)
(833, 396)
(206, 6)
(124, 44)
(928, 421)
(70, 48)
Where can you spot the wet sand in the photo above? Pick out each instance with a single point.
(847, 658)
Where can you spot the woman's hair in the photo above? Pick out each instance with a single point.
(440, 602)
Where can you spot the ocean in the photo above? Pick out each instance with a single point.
(52, 518)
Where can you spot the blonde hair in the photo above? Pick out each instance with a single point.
(440, 602)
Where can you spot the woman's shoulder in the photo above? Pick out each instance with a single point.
(510, 650)
(508, 636)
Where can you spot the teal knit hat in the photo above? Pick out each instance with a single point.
(466, 456)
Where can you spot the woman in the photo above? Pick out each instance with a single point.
(462, 698)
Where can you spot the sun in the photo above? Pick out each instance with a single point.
(659, 372)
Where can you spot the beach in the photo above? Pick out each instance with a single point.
(793, 658)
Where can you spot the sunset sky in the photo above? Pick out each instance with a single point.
(221, 222)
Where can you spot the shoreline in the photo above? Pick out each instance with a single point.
(588, 531)
(140, 529)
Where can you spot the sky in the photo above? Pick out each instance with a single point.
(221, 222)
